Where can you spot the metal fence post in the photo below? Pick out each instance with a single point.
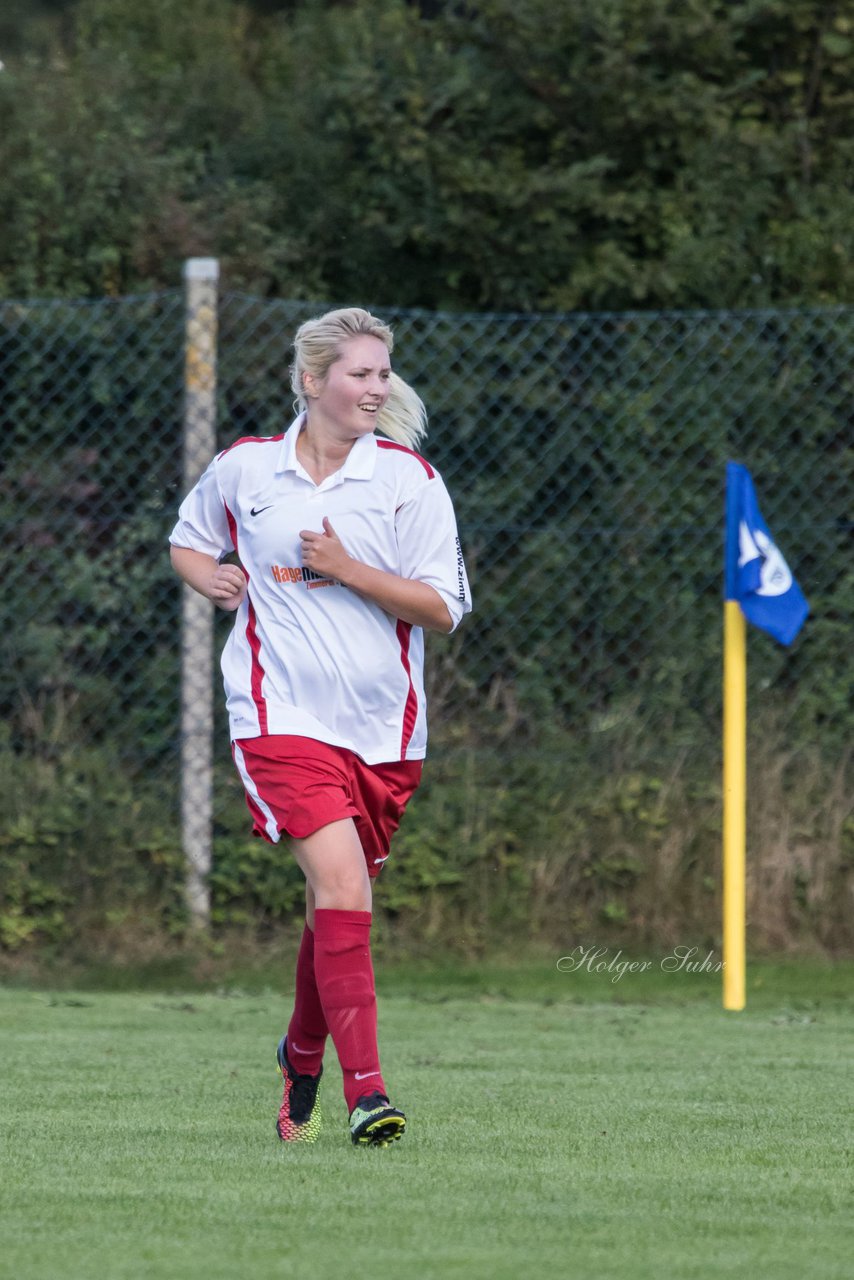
(197, 614)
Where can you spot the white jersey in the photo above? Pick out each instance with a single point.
(307, 655)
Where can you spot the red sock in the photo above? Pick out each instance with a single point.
(307, 1030)
(345, 980)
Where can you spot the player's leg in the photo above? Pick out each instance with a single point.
(333, 862)
(334, 866)
(307, 1030)
(300, 1052)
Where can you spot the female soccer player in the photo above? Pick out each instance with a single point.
(348, 550)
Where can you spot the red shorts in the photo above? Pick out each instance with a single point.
(298, 785)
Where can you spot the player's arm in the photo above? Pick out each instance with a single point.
(225, 584)
(201, 538)
(415, 602)
(404, 598)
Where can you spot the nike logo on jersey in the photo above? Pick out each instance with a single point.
(256, 511)
(363, 1075)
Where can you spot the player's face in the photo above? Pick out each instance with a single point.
(355, 388)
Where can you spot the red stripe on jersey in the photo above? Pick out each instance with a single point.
(257, 670)
(232, 529)
(410, 711)
(249, 440)
(401, 448)
(257, 674)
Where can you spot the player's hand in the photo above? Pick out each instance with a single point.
(227, 587)
(324, 552)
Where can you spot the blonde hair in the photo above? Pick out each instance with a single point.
(318, 345)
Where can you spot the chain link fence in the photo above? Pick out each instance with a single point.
(585, 454)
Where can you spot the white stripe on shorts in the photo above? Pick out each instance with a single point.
(271, 826)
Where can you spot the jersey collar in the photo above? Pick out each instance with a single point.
(359, 464)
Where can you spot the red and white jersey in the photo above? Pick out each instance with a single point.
(308, 656)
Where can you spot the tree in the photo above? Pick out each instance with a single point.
(514, 154)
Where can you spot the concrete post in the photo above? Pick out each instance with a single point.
(197, 639)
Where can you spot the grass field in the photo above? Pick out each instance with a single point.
(559, 1125)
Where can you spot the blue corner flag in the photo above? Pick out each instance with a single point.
(756, 574)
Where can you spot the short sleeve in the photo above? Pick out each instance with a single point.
(202, 519)
(429, 546)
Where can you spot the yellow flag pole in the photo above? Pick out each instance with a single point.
(734, 804)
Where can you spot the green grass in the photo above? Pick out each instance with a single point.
(559, 1125)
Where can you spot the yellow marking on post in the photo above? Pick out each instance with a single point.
(734, 804)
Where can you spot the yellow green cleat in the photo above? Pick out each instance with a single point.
(375, 1123)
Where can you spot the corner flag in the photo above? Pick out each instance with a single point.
(757, 576)
(758, 585)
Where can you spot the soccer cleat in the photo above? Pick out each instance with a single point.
(299, 1115)
(374, 1123)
